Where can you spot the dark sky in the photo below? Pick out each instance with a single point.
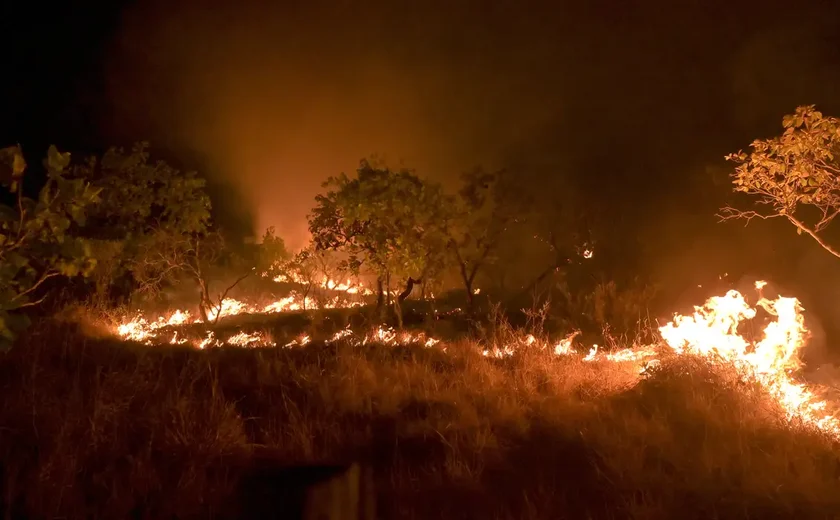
(638, 100)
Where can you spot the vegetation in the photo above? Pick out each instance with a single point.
(96, 428)
(488, 205)
(37, 242)
(92, 426)
(795, 176)
(390, 223)
(145, 207)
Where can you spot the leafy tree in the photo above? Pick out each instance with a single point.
(795, 176)
(487, 208)
(37, 241)
(143, 204)
(388, 222)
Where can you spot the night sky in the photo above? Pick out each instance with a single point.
(637, 101)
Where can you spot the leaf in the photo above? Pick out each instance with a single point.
(57, 161)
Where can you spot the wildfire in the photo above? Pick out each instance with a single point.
(326, 283)
(710, 332)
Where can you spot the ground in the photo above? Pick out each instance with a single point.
(91, 426)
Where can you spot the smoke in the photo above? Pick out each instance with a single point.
(278, 98)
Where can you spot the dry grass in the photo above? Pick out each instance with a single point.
(94, 428)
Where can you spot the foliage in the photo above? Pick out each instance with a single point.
(143, 204)
(388, 222)
(269, 253)
(140, 197)
(488, 206)
(795, 176)
(37, 238)
(557, 229)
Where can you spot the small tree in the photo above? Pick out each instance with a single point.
(37, 242)
(199, 258)
(388, 222)
(487, 208)
(795, 176)
(302, 269)
(559, 218)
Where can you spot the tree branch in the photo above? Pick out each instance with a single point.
(44, 277)
(813, 235)
(225, 293)
(729, 213)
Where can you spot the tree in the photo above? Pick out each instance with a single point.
(390, 223)
(199, 257)
(37, 242)
(318, 269)
(558, 217)
(143, 204)
(487, 207)
(795, 176)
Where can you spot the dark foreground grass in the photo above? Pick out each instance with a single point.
(102, 429)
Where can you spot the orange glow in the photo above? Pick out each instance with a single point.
(710, 332)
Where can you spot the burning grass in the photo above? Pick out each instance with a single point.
(515, 427)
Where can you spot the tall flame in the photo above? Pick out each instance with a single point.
(712, 332)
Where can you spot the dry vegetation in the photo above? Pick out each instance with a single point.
(97, 428)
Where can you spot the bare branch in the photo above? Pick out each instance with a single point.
(225, 293)
(44, 277)
(730, 213)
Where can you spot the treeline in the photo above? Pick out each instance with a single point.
(122, 226)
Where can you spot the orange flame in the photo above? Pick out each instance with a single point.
(710, 332)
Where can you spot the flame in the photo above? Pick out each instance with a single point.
(564, 347)
(244, 339)
(712, 332)
(325, 283)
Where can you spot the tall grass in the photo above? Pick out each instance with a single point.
(96, 428)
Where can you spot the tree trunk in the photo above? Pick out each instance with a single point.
(462, 269)
(409, 286)
(540, 278)
(398, 301)
(398, 312)
(380, 293)
(305, 294)
(204, 301)
(470, 295)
